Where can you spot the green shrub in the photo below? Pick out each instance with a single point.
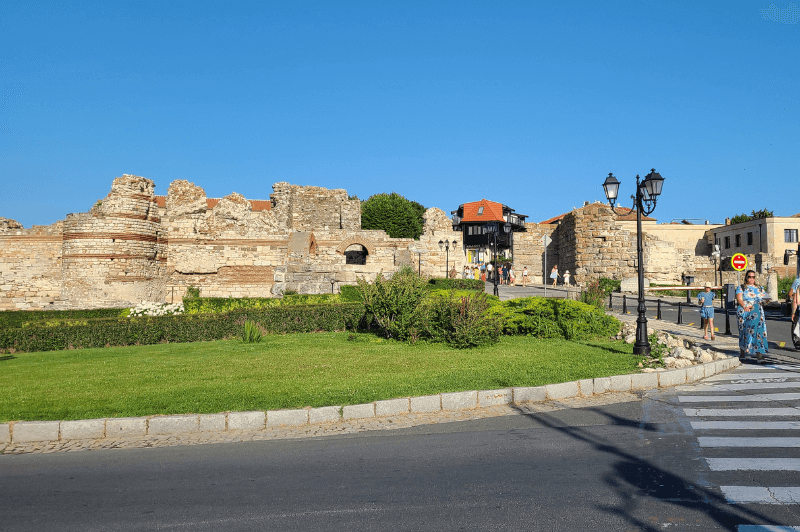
(394, 302)
(106, 332)
(216, 305)
(609, 285)
(594, 295)
(784, 284)
(461, 321)
(554, 318)
(192, 292)
(251, 334)
(349, 293)
(457, 284)
(18, 318)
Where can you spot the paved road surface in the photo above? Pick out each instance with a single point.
(717, 455)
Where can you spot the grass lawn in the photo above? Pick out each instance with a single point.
(283, 371)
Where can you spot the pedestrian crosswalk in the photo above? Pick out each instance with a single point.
(748, 421)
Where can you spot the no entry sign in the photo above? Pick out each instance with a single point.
(739, 262)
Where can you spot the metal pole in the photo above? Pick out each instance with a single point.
(624, 304)
(727, 321)
(544, 271)
(680, 313)
(610, 301)
(496, 291)
(642, 345)
(658, 315)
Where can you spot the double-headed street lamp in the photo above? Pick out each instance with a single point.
(446, 245)
(644, 201)
(492, 228)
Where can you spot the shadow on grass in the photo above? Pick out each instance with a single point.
(634, 478)
(7, 357)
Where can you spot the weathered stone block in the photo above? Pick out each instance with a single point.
(247, 420)
(427, 403)
(83, 429)
(358, 411)
(459, 400)
(673, 377)
(602, 384)
(494, 397)
(620, 383)
(126, 427)
(392, 407)
(5, 433)
(644, 381)
(287, 417)
(586, 387)
(184, 424)
(324, 414)
(212, 422)
(562, 390)
(695, 373)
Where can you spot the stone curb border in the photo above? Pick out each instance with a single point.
(137, 427)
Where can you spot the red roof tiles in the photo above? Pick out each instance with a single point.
(492, 211)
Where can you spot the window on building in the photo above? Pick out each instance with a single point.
(727, 242)
(790, 235)
(749, 239)
(480, 210)
(738, 240)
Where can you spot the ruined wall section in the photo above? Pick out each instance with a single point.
(115, 255)
(530, 252)
(30, 265)
(299, 208)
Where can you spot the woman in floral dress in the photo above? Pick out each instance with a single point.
(752, 325)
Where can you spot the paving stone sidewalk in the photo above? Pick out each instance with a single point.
(321, 429)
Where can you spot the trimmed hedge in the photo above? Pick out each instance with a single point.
(107, 332)
(18, 318)
(349, 293)
(457, 284)
(216, 305)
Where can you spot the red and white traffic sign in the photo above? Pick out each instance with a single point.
(739, 262)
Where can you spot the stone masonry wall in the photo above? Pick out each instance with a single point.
(529, 252)
(30, 266)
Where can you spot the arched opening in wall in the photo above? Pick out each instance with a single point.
(355, 254)
(312, 249)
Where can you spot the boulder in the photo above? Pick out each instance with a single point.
(683, 353)
(682, 363)
(705, 357)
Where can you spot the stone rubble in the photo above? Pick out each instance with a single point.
(680, 353)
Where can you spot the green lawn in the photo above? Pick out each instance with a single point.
(289, 371)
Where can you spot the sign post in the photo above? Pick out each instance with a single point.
(545, 241)
(738, 263)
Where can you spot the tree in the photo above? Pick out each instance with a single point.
(754, 215)
(398, 216)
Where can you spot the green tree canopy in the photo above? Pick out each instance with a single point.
(754, 215)
(398, 216)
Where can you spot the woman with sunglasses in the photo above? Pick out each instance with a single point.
(752, 325)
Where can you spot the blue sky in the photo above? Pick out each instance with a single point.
(524, 102)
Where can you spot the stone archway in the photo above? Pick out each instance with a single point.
(362, 248)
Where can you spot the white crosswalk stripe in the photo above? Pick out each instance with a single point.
(739, 407)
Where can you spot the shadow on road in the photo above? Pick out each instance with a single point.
(632, 476)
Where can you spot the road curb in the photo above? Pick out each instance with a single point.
(44, 432)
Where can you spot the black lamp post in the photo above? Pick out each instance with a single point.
(446, 245)
(333, 281)
(647, 193)
(493, 228)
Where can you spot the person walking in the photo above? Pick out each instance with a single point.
(524, 276)
(706, 301)
(554, 274)
(511, 275)
(505, 274)
(750, 314)
(795, 299)
(489, 269)
(566, 277)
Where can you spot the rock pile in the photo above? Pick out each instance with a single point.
(673, 352)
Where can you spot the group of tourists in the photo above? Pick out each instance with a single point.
(554, 275)
(750, 299)
(485, 272)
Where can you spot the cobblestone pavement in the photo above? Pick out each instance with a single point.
(322, 429)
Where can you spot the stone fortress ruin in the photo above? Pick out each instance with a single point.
(134, 246)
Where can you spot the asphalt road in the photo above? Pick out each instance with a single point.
(638, 465)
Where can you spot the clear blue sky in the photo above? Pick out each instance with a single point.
(528, 103)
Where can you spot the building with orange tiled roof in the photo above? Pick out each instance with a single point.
(472, 219)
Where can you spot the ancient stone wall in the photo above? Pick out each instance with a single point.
(30, 265)
(529, 251)
(300, 208)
